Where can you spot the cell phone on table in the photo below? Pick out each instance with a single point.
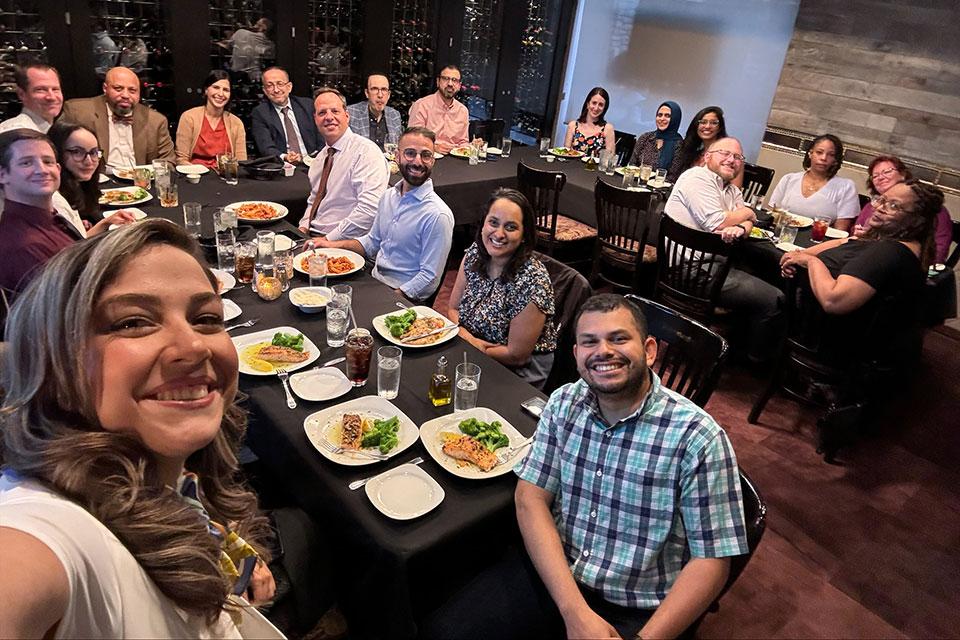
(534, 406)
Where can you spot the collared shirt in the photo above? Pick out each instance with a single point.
(410, 238)
(700, 198)
(121, 153)
(634, 501)
(363, 123)
(29, 237)
(357, 180)
(296, 127)
(450, 124)
(26, 120)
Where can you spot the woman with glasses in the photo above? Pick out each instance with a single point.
(590, 133)
(79, 155)
(657, 148)
(708, 125)
(817, 190)
(209, 131)
(884, 172)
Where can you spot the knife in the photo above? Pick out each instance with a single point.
(448, 327)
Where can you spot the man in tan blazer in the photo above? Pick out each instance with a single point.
(128, 132)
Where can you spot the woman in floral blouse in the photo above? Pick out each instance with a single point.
(503, 298)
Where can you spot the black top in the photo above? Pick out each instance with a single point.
(378, 128)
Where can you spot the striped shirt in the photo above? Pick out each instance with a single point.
(635, 500)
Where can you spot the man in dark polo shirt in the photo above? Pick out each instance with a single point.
(31, 231)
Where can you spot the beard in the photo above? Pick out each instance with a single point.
(636, 377)
(414, 180)
(121, 111)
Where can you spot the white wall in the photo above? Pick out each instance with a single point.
(695, 52)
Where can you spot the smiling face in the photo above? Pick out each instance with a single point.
(33, 174)
(502, 232)
(161, 366)
(721, 158)
(900, 197)
(77, 158)
(708, 127)
(612, 355)
(331, 117)
(663, 118)
(218, 94)
(595, 107)
(415, 158)
(276, 86)
(43, 95)
(884, 176)
(121, 88)
(823, 156)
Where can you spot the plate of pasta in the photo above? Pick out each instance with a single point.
(258, 211)
(340, 262)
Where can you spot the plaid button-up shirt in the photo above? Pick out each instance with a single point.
(360, 121)
(635, 500)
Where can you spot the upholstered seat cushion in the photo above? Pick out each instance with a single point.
(569, 230)
(626, 255)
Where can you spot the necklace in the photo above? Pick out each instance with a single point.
(810, 185)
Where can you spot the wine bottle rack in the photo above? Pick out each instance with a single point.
(21, 41)
(335, 45)
(479, 55)
(411, 53)
(537, 51)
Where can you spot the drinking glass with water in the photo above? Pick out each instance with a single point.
(467, 386)
(226, 250)
(388, 371)
(191, 218)
(338, 313)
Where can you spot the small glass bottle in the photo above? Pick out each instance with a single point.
(440, 390)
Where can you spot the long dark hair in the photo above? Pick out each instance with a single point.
(837, 149)
(529, 222)
(692, 145)
(82, 196)
(216, 76)
(596, 91)
(920, 223)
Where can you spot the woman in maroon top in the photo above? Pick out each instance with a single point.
(209, 131)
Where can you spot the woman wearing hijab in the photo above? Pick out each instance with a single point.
(656, 148)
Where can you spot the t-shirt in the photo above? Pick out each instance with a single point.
(836, 199)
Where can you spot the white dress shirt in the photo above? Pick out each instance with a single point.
(296, 127)
(357, 180)
(700, 199)
(26, 120)
(120, 154)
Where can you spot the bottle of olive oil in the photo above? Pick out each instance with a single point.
(440, 389)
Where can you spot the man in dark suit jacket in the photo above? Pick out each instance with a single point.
(284, 126)
(141, 135)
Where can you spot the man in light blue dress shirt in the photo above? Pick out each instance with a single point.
(413, 229)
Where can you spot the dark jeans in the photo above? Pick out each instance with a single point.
(762, 303)
(508, 601)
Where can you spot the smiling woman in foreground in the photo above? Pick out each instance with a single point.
(118, 435)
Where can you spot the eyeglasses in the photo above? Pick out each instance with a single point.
(886, 173)
(890, 205)
(710, 123)
(449, 79)
(724, 154)
(80, 154)
(379, 90)
(270, 86)
(411, 154)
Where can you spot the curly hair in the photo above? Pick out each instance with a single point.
(596, 91)
(837, 149)
(50, 432)
(897, 164)
(919, 224)
(692, 145)
(527, 244)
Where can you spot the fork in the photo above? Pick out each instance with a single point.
(332, 448)
(283, 375)
(356, 484)
(248, 323)
(505, 454)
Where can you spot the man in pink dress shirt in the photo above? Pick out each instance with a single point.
(441, 113)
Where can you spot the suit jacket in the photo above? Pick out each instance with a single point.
(268, 132)
(151, 133)
(360, 120)
(188, 132)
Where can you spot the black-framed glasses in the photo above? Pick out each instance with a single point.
(79, 154)
(890, 205)
(450, 79)
(411, 154)
(723, 153)
(379, 90)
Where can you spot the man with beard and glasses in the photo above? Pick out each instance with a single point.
(413, 228)
(628, 502)
(442, 113)
(129, 133)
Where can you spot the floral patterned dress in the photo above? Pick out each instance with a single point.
(590, 145)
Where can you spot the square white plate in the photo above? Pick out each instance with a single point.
(432, 442)
(405, 492)
(355, 258)
(240, 342)
(318, 385)
(230, 310)
(322, 424)
(380, 325)
(836, 233)
(226, 280)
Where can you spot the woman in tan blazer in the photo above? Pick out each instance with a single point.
(208, 131)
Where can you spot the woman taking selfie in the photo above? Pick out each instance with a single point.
(120, 511)
(209, 131)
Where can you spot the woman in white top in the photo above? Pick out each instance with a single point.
(817, 191)
(119, 431)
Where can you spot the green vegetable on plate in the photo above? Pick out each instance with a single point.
(288, 340)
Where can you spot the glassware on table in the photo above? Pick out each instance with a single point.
(780, 220)
(505, 147)
(544, 147)
(229, 168)
(819, 230)
(359, 349)
(439, 390)
(591, 163)
(226, 250)
(168, 194)
(191, 218)
(608, 161)
(283, 267)
(343, 290)
(467, 386)
(141, 177)
(788, 234)
(224, 218)
(645, 171)
(628, 175)
(246, 258)
(660, 178)
(472, 155)
(317, 269)
(481, 151)
(389, 360)
(390, 148)
(161, 173)
(338, 314)
(265, 241)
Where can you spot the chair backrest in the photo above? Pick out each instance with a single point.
(756, 180)
(689, 354)
(624, 146)
(489, 130)
(864, 199)
(542, 189)
(954, 256)
(623, 217)
(692, 266)
(570, 291)
(755, 519)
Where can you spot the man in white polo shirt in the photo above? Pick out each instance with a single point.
(38, 87)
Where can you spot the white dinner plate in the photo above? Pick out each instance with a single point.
(226, 280)
(788, 246)
(192, 169)
(355, 258)
(325, 424)
(799, 221)
(281, 210)
(665, 184)
(318, 385)
(145, 198)
(127, 173)
(836, 233)
(230, 310)
(326, 292)
(282, 242)
(103, 178)
(494, 151)
(138, 214)
(433, 443)
(246, 340)
(629, 167)
(404, 493)
(380, 325)
(437, 155)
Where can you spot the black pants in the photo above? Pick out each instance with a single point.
(509, 601)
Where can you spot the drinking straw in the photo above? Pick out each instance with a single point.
(465, 359)
(353, 320)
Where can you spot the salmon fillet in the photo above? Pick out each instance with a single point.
(469, 449)
(274, 353)
(351, 431)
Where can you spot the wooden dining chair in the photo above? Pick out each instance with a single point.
(756, 181)
(622, 256)
(557, 235)
(490, 130)
(570, 291)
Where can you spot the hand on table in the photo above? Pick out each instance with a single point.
(293, 157)
(443, 147)
(729, 234)
(262, 586)
(587, 624)
(119, 218)
(317, 243)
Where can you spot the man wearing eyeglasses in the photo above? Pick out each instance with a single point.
(441, 113)
(413, 230)
(38, 88)
(372, 118)
(283, 125)
(705, 198)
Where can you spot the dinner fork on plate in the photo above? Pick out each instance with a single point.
(283, 375)
(356, 484)
(240, 325)
(506, 454)
(333, 448)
